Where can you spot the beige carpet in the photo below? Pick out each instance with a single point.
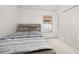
(62, 48)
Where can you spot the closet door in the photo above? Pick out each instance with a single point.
(73, 17)
(76, 20)
(70, 26)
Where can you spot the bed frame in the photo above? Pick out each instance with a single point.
(33, 27)
(28, 27)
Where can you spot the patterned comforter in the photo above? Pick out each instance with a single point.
(23, 41)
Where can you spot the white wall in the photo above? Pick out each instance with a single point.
(8, 19)
(69, 26)
(29, 16)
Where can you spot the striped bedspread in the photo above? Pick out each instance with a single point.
(23, 41)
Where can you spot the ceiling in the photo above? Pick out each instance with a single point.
(41, 7)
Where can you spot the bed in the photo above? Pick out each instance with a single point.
(27, 40)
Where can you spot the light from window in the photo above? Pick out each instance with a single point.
(47, 23)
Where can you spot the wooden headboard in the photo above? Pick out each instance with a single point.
(28, 27)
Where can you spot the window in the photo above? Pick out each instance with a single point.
(47, 23)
